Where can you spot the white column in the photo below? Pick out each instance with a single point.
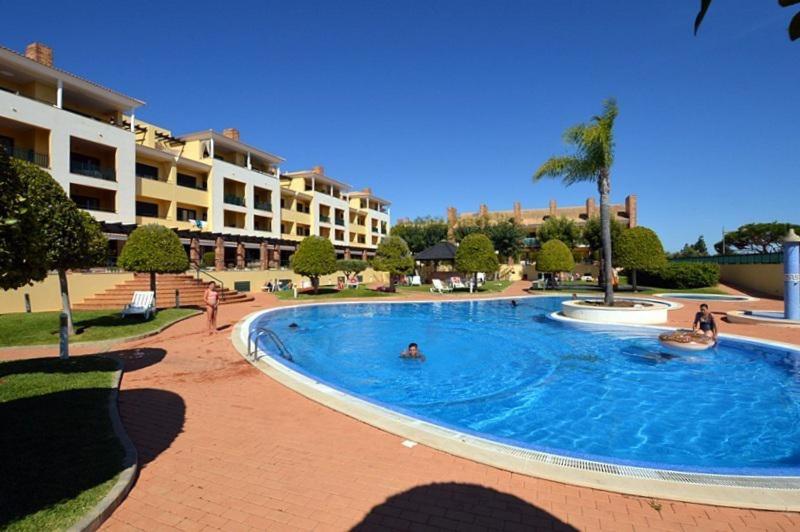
(211, 147)
(133, 121)
(249, 163)
(60, 94)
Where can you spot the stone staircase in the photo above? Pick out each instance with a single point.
(191, 293)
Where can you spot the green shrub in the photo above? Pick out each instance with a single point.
(393, 256)
(682, 275)
(476, 254)
(209, 259)
(315, 257)
(555, 256)
(639, 249)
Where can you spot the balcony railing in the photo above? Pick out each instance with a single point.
(40, 159)
(91, 170)
(324, 219)
(234, 200)
(339, 221)
(97, 208)
(263, 206)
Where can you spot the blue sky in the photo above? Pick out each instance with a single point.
(456, 102)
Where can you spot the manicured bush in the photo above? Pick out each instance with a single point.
(153, 249)
(315, 256)
(209, 259)
(393, 256)
(351, 267)
(554, 257)
(682, 275)
(476, 254)
(637, 249)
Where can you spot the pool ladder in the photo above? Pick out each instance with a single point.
(252, 343)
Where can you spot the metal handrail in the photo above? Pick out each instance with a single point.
(215, 279)
(252, 343)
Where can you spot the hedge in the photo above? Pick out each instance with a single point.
(682, 275)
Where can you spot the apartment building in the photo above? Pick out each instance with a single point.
(219, 193)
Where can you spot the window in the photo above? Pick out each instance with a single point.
(7, 144)
(303, 231)
(86, 202)
(186, 214)
(144, 208)
(146, 171)
(186, 180)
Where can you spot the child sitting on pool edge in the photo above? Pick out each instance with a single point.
(413, 352)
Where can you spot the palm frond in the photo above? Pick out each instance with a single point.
(570, 169)
(704, 5)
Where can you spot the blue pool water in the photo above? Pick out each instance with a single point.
(517, 376)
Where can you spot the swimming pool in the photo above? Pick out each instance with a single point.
(513, 375)
(706, 297)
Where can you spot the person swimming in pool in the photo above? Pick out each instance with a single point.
(704, 321)
(413, 352)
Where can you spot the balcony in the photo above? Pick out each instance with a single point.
(263, 205)
(232, 199)
(39, 159)
(92, 170)
(340, 221)
(324, 219)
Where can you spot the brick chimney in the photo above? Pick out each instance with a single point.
(40, 52)
(591, 209)
(319, 170)
(553, 207)
(231, 132)
(452, 220)
(367, 190)
(630, 207)
(517, 212)
(483, 210)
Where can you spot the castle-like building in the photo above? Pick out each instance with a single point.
(532, 219)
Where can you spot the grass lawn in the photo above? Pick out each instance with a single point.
(326, 292)
(90, 326)
(488, 287)
(58, 452)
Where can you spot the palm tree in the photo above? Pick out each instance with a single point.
(594, 154)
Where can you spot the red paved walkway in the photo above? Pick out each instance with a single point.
(222, 446)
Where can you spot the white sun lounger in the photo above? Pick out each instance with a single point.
(142, 304)
(438, 286)
(456, 282)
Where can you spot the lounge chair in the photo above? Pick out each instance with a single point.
(352, 282)
(439, 286)
(416, 280)
(456, 282)
(142, 304)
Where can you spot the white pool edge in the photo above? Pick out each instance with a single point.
(763, 492)
(708, 297)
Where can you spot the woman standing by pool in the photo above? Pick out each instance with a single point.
(211, 299)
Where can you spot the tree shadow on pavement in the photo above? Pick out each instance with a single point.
(137, 358)
(456, 506)
(153, 419)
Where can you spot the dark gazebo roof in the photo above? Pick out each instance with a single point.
(440, 251)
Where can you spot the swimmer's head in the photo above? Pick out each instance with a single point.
(413, 349)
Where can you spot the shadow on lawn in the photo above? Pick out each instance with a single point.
(454, 506)
(55, 446)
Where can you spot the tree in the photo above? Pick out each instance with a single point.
(23, 257)
(593, 233)
(698, 249)
(701, 247)
(351, 267)
(794, 25)
(756, 238)
(594, 154)
(463, 230)
(73, 238)
(153, 249)
(560, 228)
(639, 248)
(555, 257)
(421, 233)
(393, 256)
(506, 237)
(315, 257)
(208, 260)
(476, 254)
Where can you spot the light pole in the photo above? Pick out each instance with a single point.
(791, 276)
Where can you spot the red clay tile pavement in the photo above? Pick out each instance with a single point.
(224, 447)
